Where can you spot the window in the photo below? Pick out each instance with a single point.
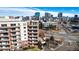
(13, 24)
(14, 40)
(24, 34)
(14, 36)
(34, 30)
(14, 33)
(34, 23)
(15, 44)
(25, 38)
(5, 34)
(18, 23)
(3, 25)
(24, 27)
(18, 27)
(24, 31)
(13, 28)
(35, 27)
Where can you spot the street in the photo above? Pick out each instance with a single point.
(69, 43)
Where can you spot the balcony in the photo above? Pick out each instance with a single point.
(4, 36)
(15, 38)
(9, 27)
(15, 30)
(3, 31)
(4, 48)
(34, 39)
(35, 42)
(33, 36)
(32, 28)
(14, 42)
(15, 34)
(14, 26)
(33, 25)
(32, 32)
(2, 44)
(3, 27)
(3, 40)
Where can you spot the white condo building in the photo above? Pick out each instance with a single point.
(13, 30)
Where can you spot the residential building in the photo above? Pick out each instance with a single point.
(33, 28)
(11, 32)
(25, 18)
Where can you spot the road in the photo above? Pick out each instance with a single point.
(69, 40)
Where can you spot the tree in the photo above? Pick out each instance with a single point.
(47, 43)
(52, 38)
(39, 45)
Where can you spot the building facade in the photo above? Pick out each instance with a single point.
(13, 31)
(33, 30)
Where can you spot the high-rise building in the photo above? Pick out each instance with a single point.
(47, 16)
(37, 15)
(51, 16)
(60, 14)
(76, 16)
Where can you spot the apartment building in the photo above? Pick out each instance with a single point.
(33, 30)
(13, 31)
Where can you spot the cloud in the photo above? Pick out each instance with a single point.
(72, 10)
(27, 12)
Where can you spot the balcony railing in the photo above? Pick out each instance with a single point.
(15, 38)
(4, 36)
(32, 28)
(33, 36)
(33, 25)
(32, 32)
(4, 40)
(4, 27)
(15, 34)
(14, 42)
(10, 27)
(4, 44)
(3, 31)
(2, 48)
(15, 30)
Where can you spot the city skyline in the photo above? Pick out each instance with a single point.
(29, 11)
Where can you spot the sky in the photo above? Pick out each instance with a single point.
(29, 11)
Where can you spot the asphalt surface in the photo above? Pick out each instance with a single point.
(69, 40)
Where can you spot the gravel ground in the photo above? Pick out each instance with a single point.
(68, 47)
